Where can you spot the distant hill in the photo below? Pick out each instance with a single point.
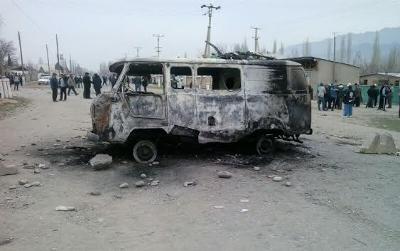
(361, 46)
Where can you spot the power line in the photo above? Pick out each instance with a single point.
(210, 8)
(256, 38)
(158, 48)
(137, 50)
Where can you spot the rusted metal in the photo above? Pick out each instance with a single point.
(272, 98)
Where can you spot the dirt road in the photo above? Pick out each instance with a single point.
(337, 199)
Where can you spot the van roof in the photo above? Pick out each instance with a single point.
(115, 67)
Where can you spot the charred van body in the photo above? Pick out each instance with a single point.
(210, 100)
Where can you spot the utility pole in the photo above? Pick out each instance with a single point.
(70, 64)
(48, 62)
(58, 55)
(20, 50)
(209, 13)
(158, 48)
(137, 50)
(334, 58)
(256, 38)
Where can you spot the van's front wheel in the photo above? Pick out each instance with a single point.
(265, 145)
(144, 151)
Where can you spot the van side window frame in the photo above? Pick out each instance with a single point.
(168, 77)
(197, 84)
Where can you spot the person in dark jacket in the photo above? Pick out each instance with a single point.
(371, 93)
(333, 91)
(357, 93)
(348, 101)
(86, 85)
(97, 84)
(63, 83)
(54, 87)
(375, 95)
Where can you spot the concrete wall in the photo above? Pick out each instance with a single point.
(379, 79)
(323, 73)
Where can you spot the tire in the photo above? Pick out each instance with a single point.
(144, 151)
(265, 145)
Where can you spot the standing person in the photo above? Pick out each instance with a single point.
(63, 87)
(382, 97)
(137, 82)
(71, 85)
(371, 93)
(333, 91)
(348, 101)
(357, 95)
(340, 98)
(97, 84)
(76, 79)
(86, 85)
(389, 95)
(327, 97)
(375, 95)
(398, 94)
(21, 80)
(146, 82)
(16, 82)
(321, 94)
(54, 86)
(104, 80)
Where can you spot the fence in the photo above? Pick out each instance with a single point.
(5, 88)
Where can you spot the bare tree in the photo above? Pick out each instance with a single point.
(282, 49)
(393, 63)
(274, 48)
(103, 69)
(329, 50)
(241, 47)
(376, 55)
(7, 49)
(349, 48)
(306, 48)
(342, 50)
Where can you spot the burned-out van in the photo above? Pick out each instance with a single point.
(209, 100)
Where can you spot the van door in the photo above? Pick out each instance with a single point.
(181, 99)
(220, 103)
(144, 90)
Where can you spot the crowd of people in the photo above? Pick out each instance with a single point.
(63, 85)
(332, 97)
(16, 80)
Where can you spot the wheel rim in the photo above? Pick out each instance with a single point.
(144, 151)
(264, 145)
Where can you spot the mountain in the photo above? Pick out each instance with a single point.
(361, 46)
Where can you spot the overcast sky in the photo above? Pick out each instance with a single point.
(94, 31)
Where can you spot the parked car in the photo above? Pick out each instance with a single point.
(44, 80)
(209, 100)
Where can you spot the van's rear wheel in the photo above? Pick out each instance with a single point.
(265, 145)
(144, 151)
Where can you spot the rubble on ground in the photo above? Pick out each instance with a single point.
(380, 144)
(7, 170)
(140, 183)
(277, 178)
(124, 185)
(65, 208)
(189, 183)
(224, 174)
(101, 161)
